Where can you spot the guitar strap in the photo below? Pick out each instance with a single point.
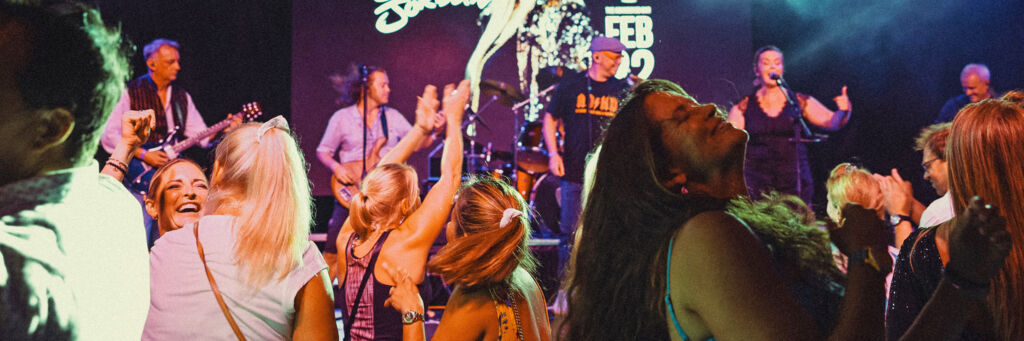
(384, 122)
(179, 103)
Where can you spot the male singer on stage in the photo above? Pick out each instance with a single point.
(975, 81)
(73, 263)
(584, 103)
(344, 137)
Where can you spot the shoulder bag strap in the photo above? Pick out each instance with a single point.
(213, 285)
(362, 285)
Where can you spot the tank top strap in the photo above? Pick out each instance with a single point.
(350, 243)
(380, 241)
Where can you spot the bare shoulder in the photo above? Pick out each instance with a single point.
(718, 226)
(467, 316)
(741, 105)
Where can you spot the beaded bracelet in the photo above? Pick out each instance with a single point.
(118, 164)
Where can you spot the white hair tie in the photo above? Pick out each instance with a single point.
(508, 215)
(276, 122)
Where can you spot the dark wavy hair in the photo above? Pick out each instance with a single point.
(616, 278)
(76, 62)
(350, 84)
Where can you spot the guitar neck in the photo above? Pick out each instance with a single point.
(191, 141)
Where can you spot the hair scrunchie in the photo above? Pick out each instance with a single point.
(276, 122)
(508, 215)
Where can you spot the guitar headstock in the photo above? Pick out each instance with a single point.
(251, 111)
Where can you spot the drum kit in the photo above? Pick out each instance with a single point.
(526, 165)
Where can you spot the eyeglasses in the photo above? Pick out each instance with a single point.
(611, 55)
(928, 164)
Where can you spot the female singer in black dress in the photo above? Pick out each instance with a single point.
(775, 160)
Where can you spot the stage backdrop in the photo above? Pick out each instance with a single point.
(704, 47)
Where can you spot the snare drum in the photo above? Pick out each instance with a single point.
(532, 156)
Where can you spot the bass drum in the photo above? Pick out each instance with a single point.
(532, 156)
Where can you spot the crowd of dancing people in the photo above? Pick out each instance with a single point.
(677, 236)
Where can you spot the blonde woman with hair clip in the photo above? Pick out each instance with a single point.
(389, 225)
(489, 263)
(253, 242)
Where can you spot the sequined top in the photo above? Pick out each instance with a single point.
(917, 274)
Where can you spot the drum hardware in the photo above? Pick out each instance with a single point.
(528, 159)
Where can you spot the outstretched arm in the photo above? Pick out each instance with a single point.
(817, 114)
(423, 225)
(426, 108)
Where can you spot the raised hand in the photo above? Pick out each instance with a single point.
(426, 109)
(843, 101)
(135, 127)
(899, 194)
(455, 99)
(861, 229)
(978, 243)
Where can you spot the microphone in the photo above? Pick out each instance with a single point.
(778, 80)
(364, 73)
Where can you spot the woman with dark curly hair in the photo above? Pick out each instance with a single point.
(661, 255)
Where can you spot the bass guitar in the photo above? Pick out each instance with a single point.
(140, 173)
(345, 192)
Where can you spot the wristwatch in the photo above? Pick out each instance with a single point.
(410, 317)
(896, 219)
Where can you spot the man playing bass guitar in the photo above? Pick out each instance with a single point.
(342, 147)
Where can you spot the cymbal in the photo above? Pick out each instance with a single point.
(507, 94)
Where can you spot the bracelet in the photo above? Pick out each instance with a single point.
(142, 155)
(118, 164)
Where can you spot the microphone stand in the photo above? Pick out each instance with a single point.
(365, 75)
(470, 153)
(801, 136)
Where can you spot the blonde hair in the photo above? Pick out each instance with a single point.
(848, 183)
(984, 151)
(387, 195)
(266, 182)
(481, 251)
